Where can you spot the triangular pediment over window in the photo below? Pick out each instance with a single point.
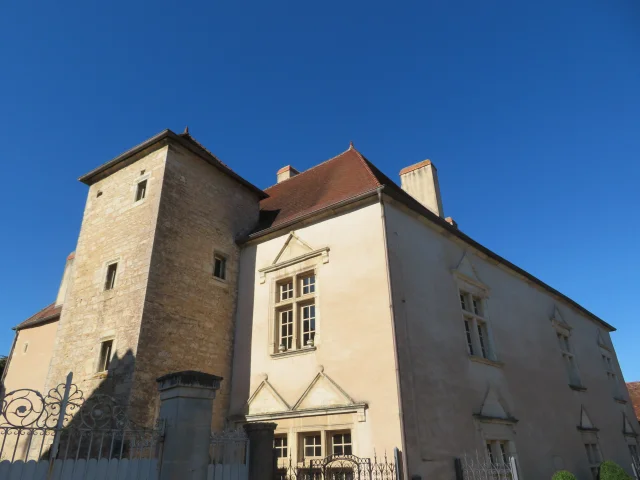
(558, 321)
(266, 399)
(585, 421)
(467, 271)
(323, 392)
(293, 247)
(492, 407)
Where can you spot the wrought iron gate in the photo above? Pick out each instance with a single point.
(478, 467)
(339, 467)
(62, 435)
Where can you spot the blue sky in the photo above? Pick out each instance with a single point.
(529, 110)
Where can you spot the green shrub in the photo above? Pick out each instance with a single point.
(611, 471)
(563, 475)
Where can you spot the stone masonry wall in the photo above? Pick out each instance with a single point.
(189, 315)
(114, 227)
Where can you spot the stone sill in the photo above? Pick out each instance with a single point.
(620, 400)
(291, 353)
(100, 375)
(486, 361)
(578, 388)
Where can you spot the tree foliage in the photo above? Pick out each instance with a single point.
(563, 475)
(612, 471)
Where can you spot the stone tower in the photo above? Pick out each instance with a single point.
(144, 300)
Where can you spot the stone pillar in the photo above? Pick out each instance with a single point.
(186, 406)
(261, 456)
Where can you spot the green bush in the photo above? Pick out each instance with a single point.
(611, 471)
(563, 475)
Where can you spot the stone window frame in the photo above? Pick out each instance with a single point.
(282, 450)
(294, 304)
(144, 176)
(98, 360)
(103, 276)
(563, 340)
(326, 441)
(612, 376)
(225, 257)
(494, 431)
(472, 319)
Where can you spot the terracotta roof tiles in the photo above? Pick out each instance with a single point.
(47, 314)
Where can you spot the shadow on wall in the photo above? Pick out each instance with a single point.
(94, 425)
(241, 366)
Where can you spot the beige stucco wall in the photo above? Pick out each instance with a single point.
(442, 388)
(114, 228)
(354, 341)
(28, 369)
(189, 314)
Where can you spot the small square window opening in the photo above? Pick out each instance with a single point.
(285, 291)
(341, 443)
(308, 285)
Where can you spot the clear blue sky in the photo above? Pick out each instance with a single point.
(530, 110)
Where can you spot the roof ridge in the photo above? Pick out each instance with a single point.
(366, 165)
(309, 169)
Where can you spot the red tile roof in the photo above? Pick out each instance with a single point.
(634, 393)
(47, 314)
(340, 178)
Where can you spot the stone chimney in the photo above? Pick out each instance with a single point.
(421, 182)
(66, 279)
(287, 172)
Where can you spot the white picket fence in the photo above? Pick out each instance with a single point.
(81, 469)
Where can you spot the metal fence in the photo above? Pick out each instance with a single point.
(64, 435)
(479, 467)
(340, 467)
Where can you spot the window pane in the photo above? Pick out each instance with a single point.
(141, 191)
(219, 267)
(286, 329)
(482, 339)
(308, 324)
(490, 452)
(477, 306)
(467, 328)
(110, 281)
(463, 300)
(286, 291)
(308, 284)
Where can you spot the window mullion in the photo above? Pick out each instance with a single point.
(296, 326)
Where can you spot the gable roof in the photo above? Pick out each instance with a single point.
(48, 314)
(634, 393)
(159, 140)
(349, 177)
(343, 177)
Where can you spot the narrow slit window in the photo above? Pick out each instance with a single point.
(219, 267)
(141, 191)
(105, 355)
(110, 281)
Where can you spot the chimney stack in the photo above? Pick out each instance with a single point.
(287, 172)
(421, 182)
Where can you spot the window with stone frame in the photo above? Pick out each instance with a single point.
(498, 451)
(568, 357)
(476, 326)
(341, 443)
(295, 312)
(112, 273)
(141, 190)
(281, 446)
(312, 445)
(219, 266)
(594, 457)
(106, 351)
(612, 377)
